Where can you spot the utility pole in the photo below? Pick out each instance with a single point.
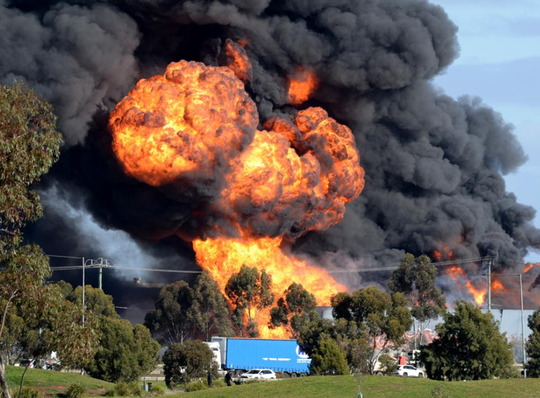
(83, 293)
(490, 264)
(522, 327)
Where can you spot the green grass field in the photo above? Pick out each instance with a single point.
(374, 387)
(52, 383)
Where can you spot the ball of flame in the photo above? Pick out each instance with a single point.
(184, 125)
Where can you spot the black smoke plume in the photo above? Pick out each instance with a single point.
(434, 165)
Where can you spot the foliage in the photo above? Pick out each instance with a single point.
(173, 319)
(469, 346)
(533, 345)
(75, 390)
(384, 317)
(293, 309)
(123, 389)
(156, 390)
(388, 364)
(196, 385)
(186, 362)
(415, 278)
(250, 292)
(210, 309)
(26, 393)
(29, 145)
(125, 352)
(329, 359)
(95, 301)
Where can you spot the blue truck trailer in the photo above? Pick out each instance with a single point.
(277, 355)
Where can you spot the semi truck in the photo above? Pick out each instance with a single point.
(239, 355)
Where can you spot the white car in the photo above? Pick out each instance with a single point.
(408, 371)
(266, 374)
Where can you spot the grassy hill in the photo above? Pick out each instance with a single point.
(375, 387)
(51, 383)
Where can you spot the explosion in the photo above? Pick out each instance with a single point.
(192, 133)
(302, 85)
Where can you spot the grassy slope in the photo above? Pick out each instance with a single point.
(51, 382)
(375, 387)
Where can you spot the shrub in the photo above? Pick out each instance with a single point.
(26, 393)
(218, 383)
(195, 386)
(156, 390)
(75, 390)
(123, 389)
(388, 364)
(186, 362)
(329, 359)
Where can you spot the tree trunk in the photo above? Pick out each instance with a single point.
(3, 381)
(22, 378)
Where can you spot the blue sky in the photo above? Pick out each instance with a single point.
(500, 62)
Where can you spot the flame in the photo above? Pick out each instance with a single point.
(444, 252)
(194, 128)
(497, 287)
(169, 129)
(223, 257)
(459, 276)
(302, 85)
(529, 266)
(238, 60)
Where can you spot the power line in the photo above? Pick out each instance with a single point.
(340, 271)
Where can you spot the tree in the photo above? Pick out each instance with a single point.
(125, 352)
(353, 340)
(173, 319)
(293, 309)
(249, 292)
(95, 301)
(185, 362)
(210, 309)
(469, 346)
(385, 317)
(29, 145)
(533, 345)
(415, 278)
(329, 359)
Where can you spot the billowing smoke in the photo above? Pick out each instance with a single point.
(433, 165)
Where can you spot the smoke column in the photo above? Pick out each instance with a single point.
(433, 165)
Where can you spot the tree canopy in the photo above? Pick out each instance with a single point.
(250, 292)
(210, 309)
(185, 362)
(384, 317)
(173, 319)
(415, 278)
(469, 346)
(293, 309)
(533, 345)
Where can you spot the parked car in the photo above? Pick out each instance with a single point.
(266, 374)
(408, 371)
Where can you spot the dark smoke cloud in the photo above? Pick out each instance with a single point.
(434, 165)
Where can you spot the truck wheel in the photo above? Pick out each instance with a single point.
(293, 375)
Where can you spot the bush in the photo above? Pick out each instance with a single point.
(123, 389)
(156, 390)
(26, 393)
(388, 364)
(186, 362)
(197, 385)
(329, 359)
(219, 383)
(75, 390)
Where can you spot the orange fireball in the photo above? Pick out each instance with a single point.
(183, 126)
(196, 126)
(302, 85)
